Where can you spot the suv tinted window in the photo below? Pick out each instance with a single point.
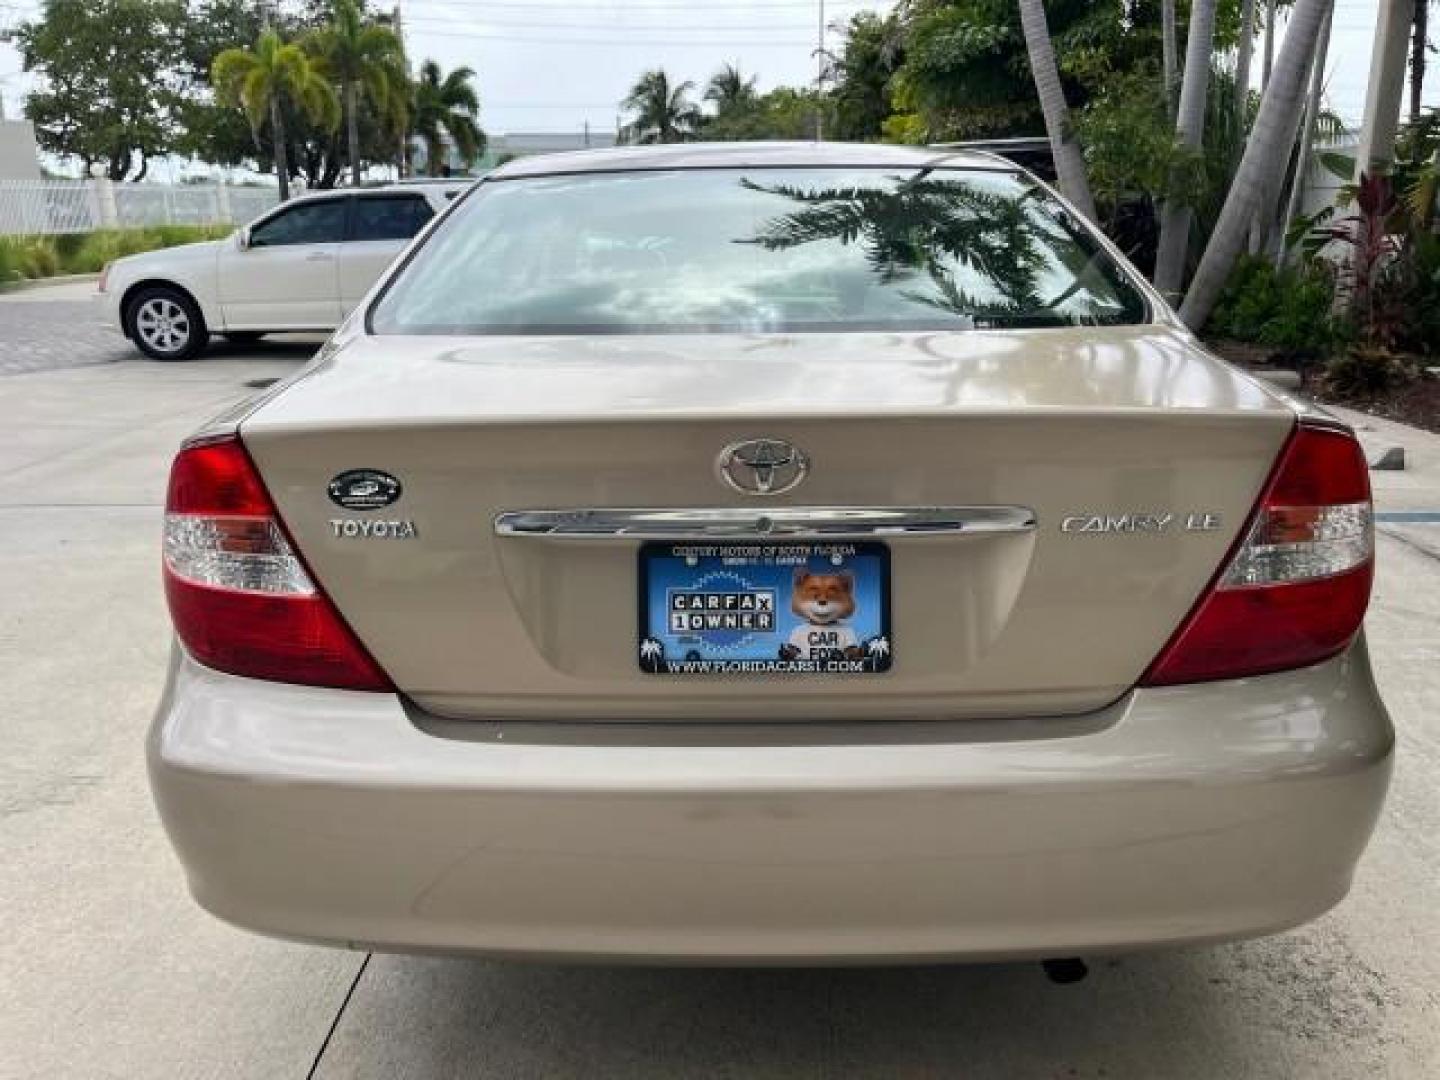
(321, 221)
(759, 250)
(388, 217)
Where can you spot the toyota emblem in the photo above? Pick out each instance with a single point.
(762, 466)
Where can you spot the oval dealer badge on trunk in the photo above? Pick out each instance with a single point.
(364, 489)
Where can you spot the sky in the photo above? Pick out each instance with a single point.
(557, 65)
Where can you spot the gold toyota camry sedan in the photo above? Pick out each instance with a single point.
(768, 553)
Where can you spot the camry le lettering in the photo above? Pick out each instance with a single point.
(1139, 523)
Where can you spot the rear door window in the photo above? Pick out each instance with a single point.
(389, 217)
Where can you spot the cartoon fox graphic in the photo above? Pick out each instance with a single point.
(824, 601)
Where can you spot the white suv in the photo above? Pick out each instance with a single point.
(301, 267)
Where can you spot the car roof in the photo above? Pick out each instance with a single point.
(741, 155)
(428, 191)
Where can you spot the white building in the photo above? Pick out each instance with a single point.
(19, 156)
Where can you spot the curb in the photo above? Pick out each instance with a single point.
(41, 283)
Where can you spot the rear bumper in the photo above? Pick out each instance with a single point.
(1176, 815)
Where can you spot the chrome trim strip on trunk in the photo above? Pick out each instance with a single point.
(782, 522)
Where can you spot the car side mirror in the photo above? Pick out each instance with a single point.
(242, 239)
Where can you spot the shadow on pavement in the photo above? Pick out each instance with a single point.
(1269, 1007)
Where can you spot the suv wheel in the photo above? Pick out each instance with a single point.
(165, 324)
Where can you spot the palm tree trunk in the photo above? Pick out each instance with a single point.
(1307, 138)
(1189, 130)
(282, 162)
(1270, 6)
(1257, 236)
(1242, 63)
(352, 129)
(1278, 109)
(1268, 234)
(1417, 57)
(1167, 51)
(1069, 162)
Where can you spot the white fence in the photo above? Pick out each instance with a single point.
(31, 207)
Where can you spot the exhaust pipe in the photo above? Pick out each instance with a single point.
(1065, 970)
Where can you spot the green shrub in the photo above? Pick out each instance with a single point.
(1361, 373)
(38, 258)
(1289, 310)
(10, 260)
(87, 253)
(96, 249)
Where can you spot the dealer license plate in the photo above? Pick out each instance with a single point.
(759, 609)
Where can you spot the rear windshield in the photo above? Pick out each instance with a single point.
(757, 250)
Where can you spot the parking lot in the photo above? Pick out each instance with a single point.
(110, 970)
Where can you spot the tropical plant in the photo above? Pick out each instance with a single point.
(663, 110)
(861, 74)
(1374, 240)
(357, 56)
(729, 90)
(786, 112)
(263, 81)
(1069, 161)
(1189, 133)
(1134, 162)
(446, 105)
(963, 71)
(1289, 309)
(1260, 164)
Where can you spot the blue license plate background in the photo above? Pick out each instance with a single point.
(747, 609)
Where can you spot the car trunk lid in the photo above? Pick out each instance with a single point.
(1137, 456)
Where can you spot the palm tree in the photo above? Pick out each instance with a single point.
(1271, 17)
(1307, 140)
(1419, 43)
(1189, 132)
(1260, 164)
(264, 80)
(1243, 61)
(354, 54)
(1069, 162)
(664, 114)
(448, 104)
(1169, 61)
(729, 89)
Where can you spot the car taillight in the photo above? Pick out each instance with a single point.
(1295, 589)
(241, 599)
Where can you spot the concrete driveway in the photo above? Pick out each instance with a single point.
(109, 970)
